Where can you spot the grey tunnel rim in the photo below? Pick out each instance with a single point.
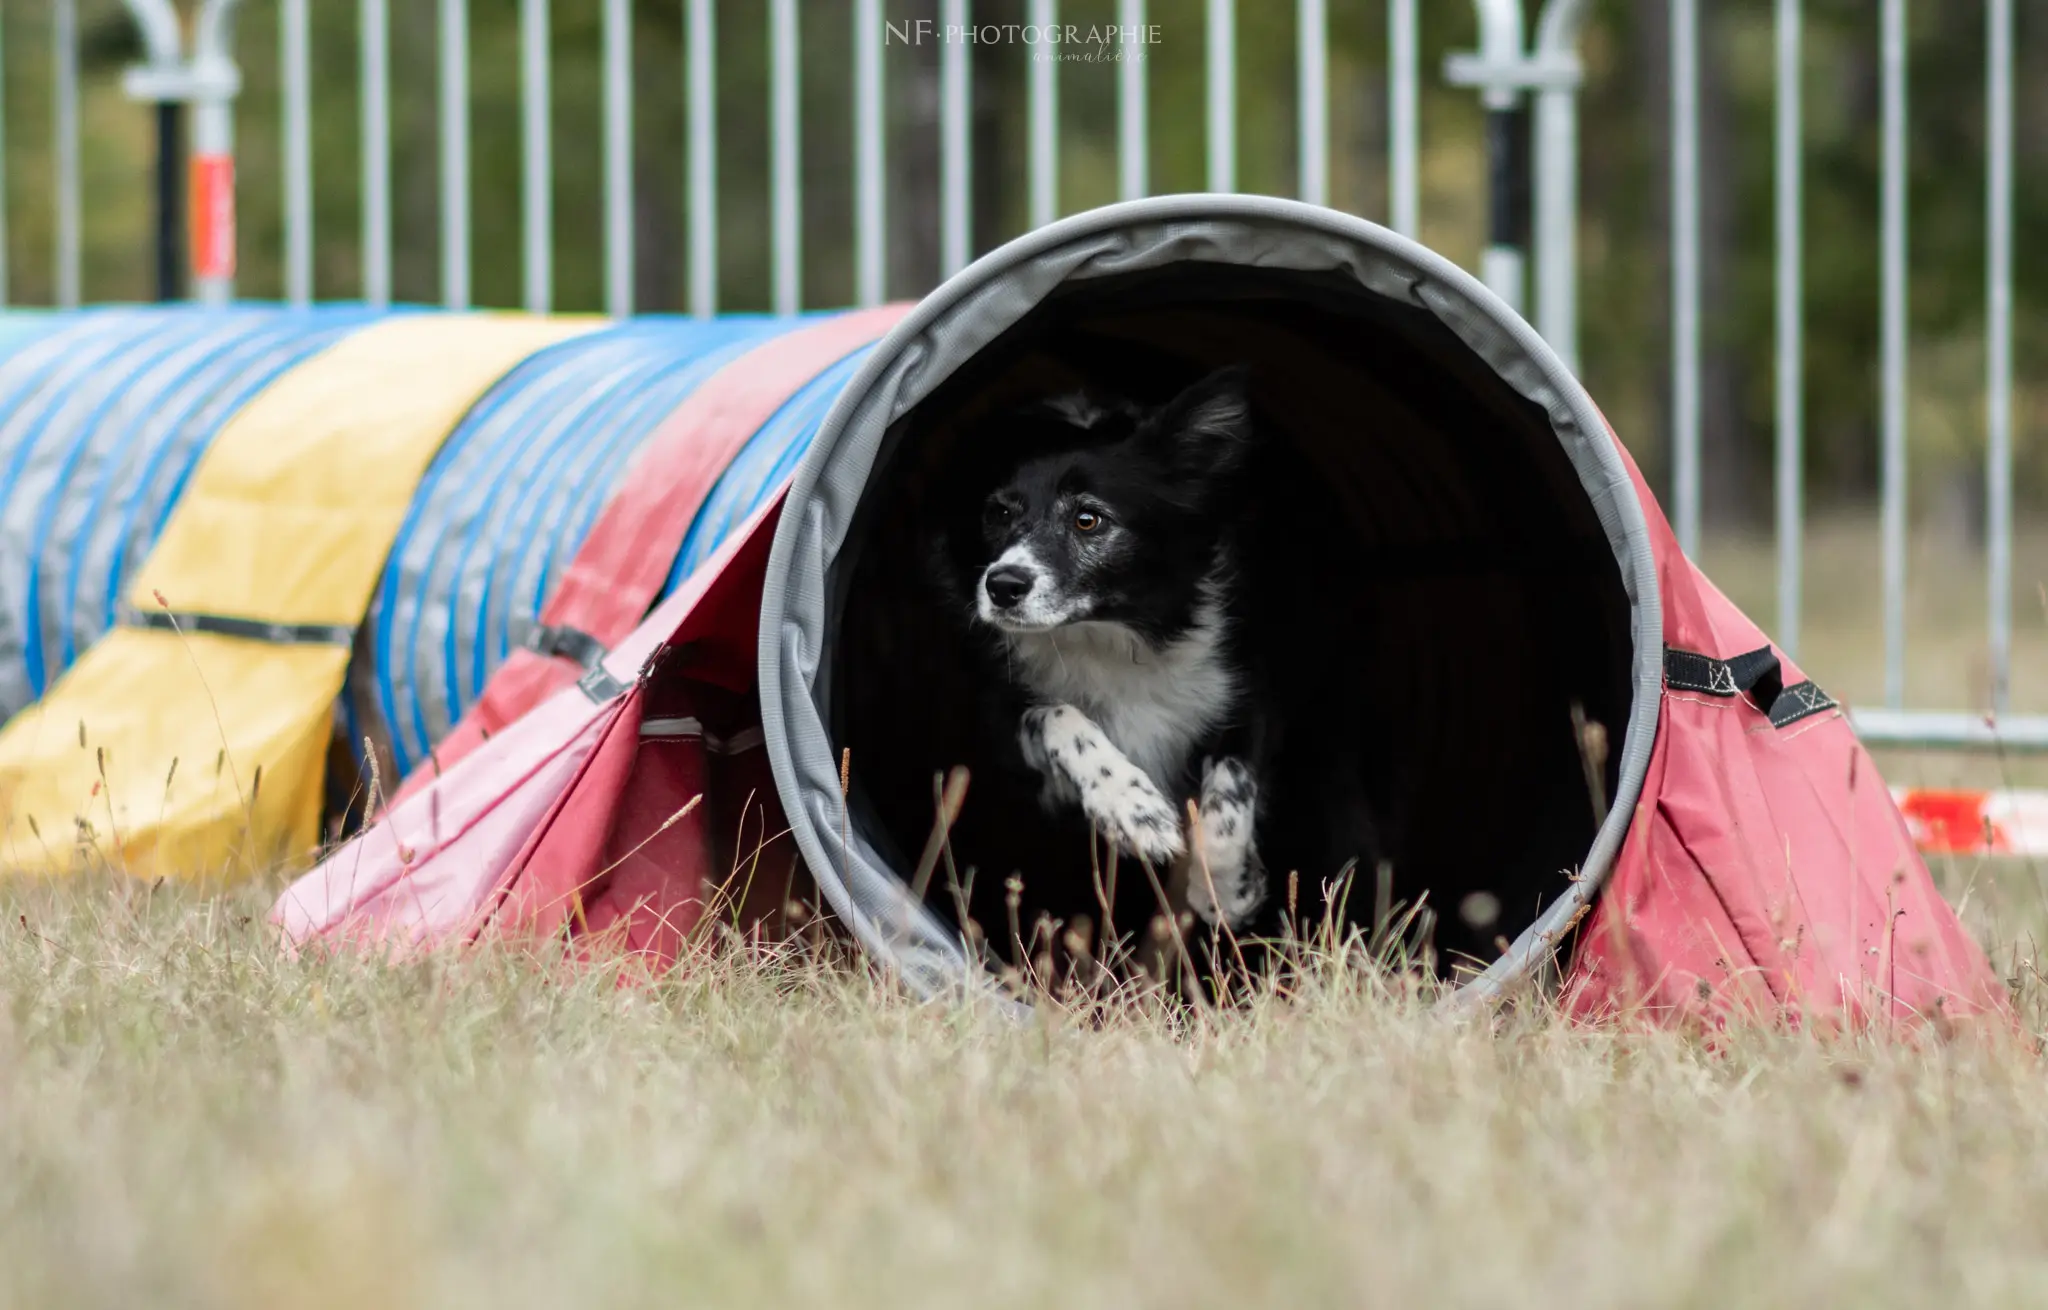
(972, 308)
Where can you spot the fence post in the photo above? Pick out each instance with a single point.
(170, 227)
(619, 267)
(1221, 91)
(1998, 331)
(1133, 123)
(64, 115)
(703, 160)
(870, 125)
(375, 80)
(785, 153)
(454, 107)
(1557, 182)
(1504, 261)
(1312, 101)
(1404, 127)
(1503, 71)
(956, 137)
(537, 175)
(1043, 109)
(1892, 338)
(295, 75)
(1685, 275)
(1791, 444)
(209, 82)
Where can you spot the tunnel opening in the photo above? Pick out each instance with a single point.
(1446, 601)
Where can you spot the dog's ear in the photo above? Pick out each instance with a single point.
(1209, 425)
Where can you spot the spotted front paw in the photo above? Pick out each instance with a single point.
(1080, 763)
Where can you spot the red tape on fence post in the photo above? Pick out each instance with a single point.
(213, 217)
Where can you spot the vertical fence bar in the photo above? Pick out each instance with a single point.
(1222, 89)
(1998, 332)
(1504, 260)
(1133, 133)
(170, 208)
(618, 158)
(870, 249)
(1685, 273)
(64, 116)
(1557, 222)
(455, 153)
(1043, 18)
(785, 149)
(537, 177)
(376, 110)
(1892, 280)
(295, 73)
(1404, 131)
(1791, 446)
(1556, 185)
(213, 151)
(703, 133)
(955, 130)
(1312, 87)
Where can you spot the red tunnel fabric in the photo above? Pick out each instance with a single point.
(620, 568)
(525, 832)
(1767, 872)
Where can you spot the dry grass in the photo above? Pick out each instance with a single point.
(188, 1119)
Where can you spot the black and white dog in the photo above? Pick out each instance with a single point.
(1108, 561)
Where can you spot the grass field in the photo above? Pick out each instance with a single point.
(188, 1119)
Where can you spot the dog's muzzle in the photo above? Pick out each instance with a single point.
(1007, 585)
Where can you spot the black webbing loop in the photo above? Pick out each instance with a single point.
(564, 642)
(1797, 702)
(223, 625)
(1756, 673)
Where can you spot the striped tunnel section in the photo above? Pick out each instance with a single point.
(102, 417)
(501, 511)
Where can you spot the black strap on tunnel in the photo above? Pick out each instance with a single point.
(1756, 673)
(225, 625)
(1798, 701)
(564, 642)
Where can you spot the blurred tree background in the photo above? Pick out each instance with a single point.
(1624, 190)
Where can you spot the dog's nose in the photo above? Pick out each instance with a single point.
(1007, 584)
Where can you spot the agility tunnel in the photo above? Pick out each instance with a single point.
(1493, 573)
(192, 738)
(566, 451)
(492, 530)
(714, 443)
(105, 414)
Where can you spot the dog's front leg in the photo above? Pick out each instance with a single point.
(1226, 881)
(1080, 764)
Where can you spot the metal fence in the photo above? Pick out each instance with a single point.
(1513, 65)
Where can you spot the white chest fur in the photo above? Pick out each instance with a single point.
(1155, 704)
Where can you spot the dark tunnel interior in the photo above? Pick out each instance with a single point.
(1457, 600)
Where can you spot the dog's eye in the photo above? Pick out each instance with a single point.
(1000, 512)
(1087, 520)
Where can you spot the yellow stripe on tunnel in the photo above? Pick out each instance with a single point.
(288, 519)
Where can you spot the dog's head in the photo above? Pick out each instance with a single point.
(1097, 510)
